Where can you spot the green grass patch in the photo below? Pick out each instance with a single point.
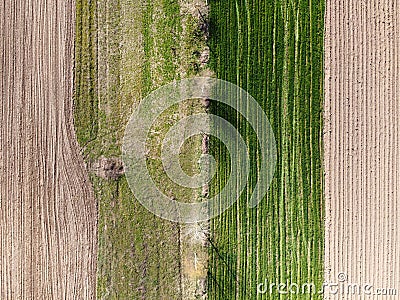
(86, 99)
(125, 50)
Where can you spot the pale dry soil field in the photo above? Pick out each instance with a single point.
(362, 144)
(47, 208)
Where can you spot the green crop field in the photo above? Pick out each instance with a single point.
(274, 50)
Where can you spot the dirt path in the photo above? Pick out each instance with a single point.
(362, 143)
(47, 210)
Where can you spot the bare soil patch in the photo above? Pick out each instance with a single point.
(362, 139)
(47, 209)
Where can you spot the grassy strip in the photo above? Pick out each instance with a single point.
(273, 49)
(125, 50)
(86, 72)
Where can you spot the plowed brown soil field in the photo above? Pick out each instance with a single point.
(362, 144)
(47, 209)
